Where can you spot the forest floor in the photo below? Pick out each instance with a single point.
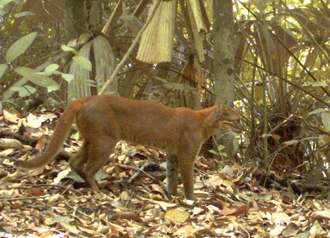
(234, 201)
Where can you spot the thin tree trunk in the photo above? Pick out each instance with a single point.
(223, 29)
(223, 33)
(74, 19)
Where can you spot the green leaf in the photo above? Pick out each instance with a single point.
(67, 48)
(40, 80)
(275, 136)
(74, 176)
(68, 77)
(19, 47)
(220, 147)
(101, 174)
(326, 120)
(51, 68)
(26, 72)
(218, 151)
(52, 88)
(214, 152)
(222, 153)
(83, 62)
(24, 91)
(319, 84)
(3, 68)
(291, 142)
(316, 111)
(25, 14)
(306, 84)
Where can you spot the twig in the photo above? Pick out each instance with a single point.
(139, 171)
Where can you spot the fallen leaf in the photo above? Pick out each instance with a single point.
(125, 196)
(6, 143)
(36, 193)
(291, 230)
(321, 215)
(316, 230)
(197, 210)
(116, 227)
(125, 215)
(242, 210)
(47, 234)
(279, 218)
(41, 143)
(68, 173)
(10, 117)
(227, 211)
(228, 170)
(6, 152)
(255, 205)
(185, 231)
(65, 174)
(305, 234)
(157, 188)
(177, 215)
(102, 229)
(163, 205)
(276, 230)
(16, 176)
(70, 228)
(33, 121)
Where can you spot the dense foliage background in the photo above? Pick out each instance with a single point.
(52, 52)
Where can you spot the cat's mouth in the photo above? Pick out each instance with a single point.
(232, 126)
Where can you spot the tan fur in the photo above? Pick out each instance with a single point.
(104, 120)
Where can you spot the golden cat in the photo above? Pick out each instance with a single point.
(105, 119)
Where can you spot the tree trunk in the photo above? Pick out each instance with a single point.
(223, 35)
(74, 19)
